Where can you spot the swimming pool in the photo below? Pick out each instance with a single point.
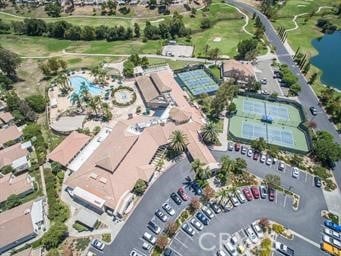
(77, 81)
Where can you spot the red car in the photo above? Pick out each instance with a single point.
(247, 193)
(255, 156)
(237, 147)
(271, 192)
(182, 193)
(255, 192)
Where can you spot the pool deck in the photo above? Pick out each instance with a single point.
(290, 126)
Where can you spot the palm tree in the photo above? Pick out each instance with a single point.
(209, 133)
(84, 92)
(196, 166)
(178, 141)
(95, 104)
(223, 194)
(75, 99)
(63, 83)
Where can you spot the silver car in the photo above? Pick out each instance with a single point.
(197, 224)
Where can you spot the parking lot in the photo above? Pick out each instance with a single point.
(264, 70)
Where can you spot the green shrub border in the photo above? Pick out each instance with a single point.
(132, 101)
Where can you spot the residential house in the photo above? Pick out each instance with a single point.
(6, 119)
(15, 156)
(11, 184)
(9, 136)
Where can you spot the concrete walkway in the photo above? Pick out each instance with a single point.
(41, 169)
(222, 137)
(333, 200)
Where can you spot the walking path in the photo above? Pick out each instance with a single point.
(246, 19)
(41, 169)
(333, 199)
(222, 137)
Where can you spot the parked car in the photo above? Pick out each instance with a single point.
(226, 204)
(215, 207)
(262, 158)
(237, 147)
(153, 227)
(331, 241)
(255, 192)
(234, 240)
(231, 249)
(134, 253)
(313, 110)
(168, 252)
(176, 198)
(196, 188)
(207, 211)
(149, 238)
(146, 246)
(182, 193)
(197, 224)
(230, 146)
(161, 215)
(295, 172)
(263, 81)
(269, 161)
(258, 230)
(243, 151)
(168, 209)
(271, 192)
(317, 181)
(202, 217)
(332, 233)
(332, 225)
(249, 152)
(97, 244)
(274, 160)
(263, 191)
(221, 253)
(251, 234)
(240, 196)
(255, 156)
(234, 200)
(188, 229)
(281, 166)
(284, 249)
(247, 193)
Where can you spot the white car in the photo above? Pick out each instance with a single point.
(231, 249)
(146, 246)
(295, 172)
(281, 166)
(197, 224)
(221, 253)
(234, 200)
(262, 158)
(332, 233)
(234, 240)
(258, 230)
(149, 238)
(269, 161)
(249, 232)
(331, 241)
(249, 152)
(208, 212)
(97, 244)
(240, 196)
(168, 209)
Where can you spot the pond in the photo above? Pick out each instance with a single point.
(328, 59)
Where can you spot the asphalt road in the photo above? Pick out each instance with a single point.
(306, 96)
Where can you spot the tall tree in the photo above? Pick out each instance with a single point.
(9, 62)
(209, 133)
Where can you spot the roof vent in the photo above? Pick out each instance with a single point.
(93, 176)
(103, 180)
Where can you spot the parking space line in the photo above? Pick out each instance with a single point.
(276, 198)
(285, 201)
(178, 253)
(306, 177)
(180, 242)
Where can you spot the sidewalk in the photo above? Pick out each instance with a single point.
(222, 137)
(333, 200)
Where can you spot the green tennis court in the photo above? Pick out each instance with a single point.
(283, 129)
(197, 82)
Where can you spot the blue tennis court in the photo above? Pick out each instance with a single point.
(277, 112)
(253, 107)
(280, 136)
(253, 130)
(198, 82)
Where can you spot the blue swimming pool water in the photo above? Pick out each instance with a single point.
(76, 82)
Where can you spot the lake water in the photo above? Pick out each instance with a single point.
(329, 58)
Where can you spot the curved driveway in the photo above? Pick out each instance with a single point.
(307, 97)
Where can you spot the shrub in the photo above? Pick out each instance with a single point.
(106, 237)
(82, 243)
(37, 102)
(54, 236)
(140, 187)
(279, 229)
(79, 227)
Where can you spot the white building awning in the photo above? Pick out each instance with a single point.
(89, 197)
